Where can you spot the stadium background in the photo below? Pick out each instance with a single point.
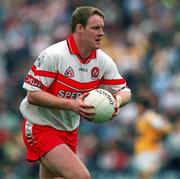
(142, 37)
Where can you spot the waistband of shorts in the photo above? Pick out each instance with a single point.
(47, 126)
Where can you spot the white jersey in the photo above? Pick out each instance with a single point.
(59, 70)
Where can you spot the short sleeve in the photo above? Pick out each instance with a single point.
(42, 73)
(112, 79)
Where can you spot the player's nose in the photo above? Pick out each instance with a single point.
(100, 32)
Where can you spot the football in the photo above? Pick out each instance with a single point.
(103, 102)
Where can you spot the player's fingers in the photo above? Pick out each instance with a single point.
(116, 101)
(83, 96)
(87, 106)
(116, 112)
(89, 112)
(87, 116)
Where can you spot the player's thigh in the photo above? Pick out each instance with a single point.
(45, 173)
(62, 161)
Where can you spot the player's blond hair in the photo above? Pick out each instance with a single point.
(82, 14)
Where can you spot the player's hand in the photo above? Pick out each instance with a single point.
(85, 110)
(116, 107)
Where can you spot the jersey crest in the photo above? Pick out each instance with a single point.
(94, 72)
(69, 72)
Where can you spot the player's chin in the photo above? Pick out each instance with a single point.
(97, 46)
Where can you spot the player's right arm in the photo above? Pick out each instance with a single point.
(39, 79)
(45, 99)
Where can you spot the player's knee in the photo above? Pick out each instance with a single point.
(86, 175)
(82, 175)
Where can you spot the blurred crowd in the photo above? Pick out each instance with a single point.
(143, 39)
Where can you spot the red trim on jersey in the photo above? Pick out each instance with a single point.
(35, 82)
(77, 85)
(73, 49)
(59, 87)
(43, 72)
(113, 82)
(68, 83)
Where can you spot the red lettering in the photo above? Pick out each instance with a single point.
(34, 82)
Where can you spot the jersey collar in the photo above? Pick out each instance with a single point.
(73, 49)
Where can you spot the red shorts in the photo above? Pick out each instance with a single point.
(41, 139)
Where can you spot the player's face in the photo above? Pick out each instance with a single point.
(93, 32)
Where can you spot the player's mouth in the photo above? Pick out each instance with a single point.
(98, 41)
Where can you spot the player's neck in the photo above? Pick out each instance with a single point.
(84, 52)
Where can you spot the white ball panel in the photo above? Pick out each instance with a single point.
(104, 105)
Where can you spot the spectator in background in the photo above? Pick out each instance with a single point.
(173, 146)
(150, 129)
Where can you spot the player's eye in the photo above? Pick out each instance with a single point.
(98, 28)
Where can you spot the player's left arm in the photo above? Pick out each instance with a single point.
(115, 83)
(122, 97)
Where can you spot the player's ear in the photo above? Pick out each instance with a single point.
(79, 27)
